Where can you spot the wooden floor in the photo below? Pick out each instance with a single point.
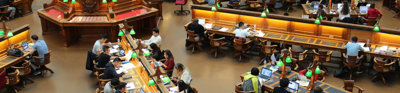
(210, 75)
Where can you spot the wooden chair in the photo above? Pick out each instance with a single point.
(234, 5)
(297, 57)
(12, 82)
(194, 43)
(238, 89)
(352, 63)
(372, 21)
(42, 66)
(270, 5)
(216, 44)
(382, 68)
(267, 51)
(195, 90)
(242, 46)
(98, 69)
(24, 72)
(397, 6)
(254, 4)
(322, 57)
(4, 13)
(349, 86)
(290, 4)
(101, 83)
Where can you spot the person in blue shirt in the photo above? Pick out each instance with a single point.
(232, 1)
(353, 48)
(40, 48)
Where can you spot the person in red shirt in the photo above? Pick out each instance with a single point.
(169, 62)
(372, 12)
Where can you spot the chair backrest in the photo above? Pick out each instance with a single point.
(294, 54)
(322, 56)
(265, 49)
(238, 89)
(349, 85)
(397, 4)
(3, 79)
(379, 66)
(191, 36)
(27, 67)
(351, 61)
(239, 43)
(371, 21)
(13, 78)
(212, 41)
(102, 82)
(47, 58)
(4, 9)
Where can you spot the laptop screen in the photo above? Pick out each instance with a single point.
(141, 90)
(122, 53)
(293, 85)
(363, 9)
(25, 45)
(266, 72)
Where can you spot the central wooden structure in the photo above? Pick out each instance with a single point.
(80, 18)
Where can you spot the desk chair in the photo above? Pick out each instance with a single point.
(199, 2)
(239, 87)
(12, 82)
(216, 44)
(98, 69)
(194, 39)
(181, 2)
(352, 63)
(381, 67)
(242, 46)
(267, 51)
(4, 13)
(397, 6)
(234, 5)
(42, 66)
(297, 56)
(3, 79)
(371, 21)
(101, 83)
(323, 57)
(254, 4)
(289, 4)
(271, 5)
(25, 70)
(349, 86)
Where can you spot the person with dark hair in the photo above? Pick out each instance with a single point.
(318, 90)
(283, 84)
(183, 87)
(155, 38)
(242, 32)
(181, 73)
(10, 8)
(353, 48)
(250, 81)
(156, 52)
(104, 58)
(99, 44)
(40, 47)
(344, 11)
(169, 62)
(111, 85)
(197, 28)
(110, 71)
(286, 14)
(121, 88)
(373, 12)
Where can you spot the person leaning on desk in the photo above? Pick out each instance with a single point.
(105, 58)
(40, 48)
(98, 45)
(250, 81)
(242, 32)
(110, 71)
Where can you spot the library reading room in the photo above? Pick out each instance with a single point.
(199, 46)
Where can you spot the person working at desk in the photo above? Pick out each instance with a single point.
(111, 85)
(99, 44)
(283, 84)
(373, 12)
(156, 52)
(169, 62)
(353, 48)
(104, 58)
(181, 73)
(121, 88)
(40, 47)
(155, 38)
(10, 8)
(110, 71)
(198, 29)
(242, 32)
(344, 12)
(250, 81)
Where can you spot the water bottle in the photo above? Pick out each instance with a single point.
(265, 63)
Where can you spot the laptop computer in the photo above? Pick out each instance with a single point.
(265, 73)
(293, 85)
(121, 52)
(25, 46)
(363, 9)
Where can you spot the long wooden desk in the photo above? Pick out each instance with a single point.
(309, 10)
(299, 31)
(141, 73)
(21, 34)
(274, 82)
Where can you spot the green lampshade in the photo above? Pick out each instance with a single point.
(166, 79)
(10, 34)
(120, 33)
(320, 17)
(151, 82)
(288, 60)
(309, 73)
(317, 21)
(134, 55)
(132, 32)
(377, 27)
(104, 1)
(73, 1)
(213, 8)
(1, 32)
(280, 63)
(218, 5)
(65, 1)
(317, 71)
(263, 14)
(114, 0)
(146, 52)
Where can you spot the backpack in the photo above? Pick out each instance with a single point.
(15, 52)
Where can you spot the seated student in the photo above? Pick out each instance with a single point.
(121, 88)
(111, 85)
(250, 81)
(40, 47)
(233, 1)
(169, 62)
(353, 48)
(283, 84)
(197, 28)
(155, 38)
(110, 71)
(344, 11)
(322, 11)
(373, 12)
(10, 8)
(242, 32)
(99, 44)
(156, 52)
(181, 73)
(183, 87)
(104, 57)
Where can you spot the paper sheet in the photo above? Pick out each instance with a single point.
(128, 55)
(174, 90)
(366, 49)
(130, 85)
(202, 21)
(260, 34)
(224, 29)
(208, 25)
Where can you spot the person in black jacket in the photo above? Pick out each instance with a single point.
(284, 83)
(110, 71)
(10, 8)
(156, 52)
(183, 87)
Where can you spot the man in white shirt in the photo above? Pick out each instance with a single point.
(181, 73)
(155, 38)
(98, 45)
(110, 86)
(242, 32)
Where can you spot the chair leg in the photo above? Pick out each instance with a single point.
(48, 69)
(213, 50)
(383, 79)
(262, 61)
